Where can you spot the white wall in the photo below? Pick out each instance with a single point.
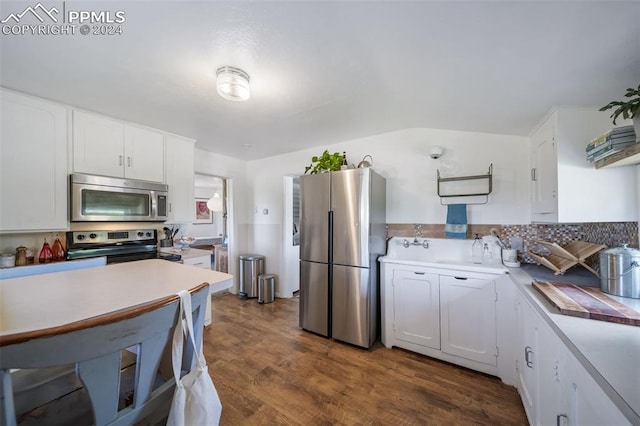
(401, 157)
(235, 171)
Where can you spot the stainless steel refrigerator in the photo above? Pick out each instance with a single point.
(342, 234)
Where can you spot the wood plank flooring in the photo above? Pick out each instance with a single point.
(269, 371)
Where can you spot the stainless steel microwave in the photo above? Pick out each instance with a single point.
(107, 199)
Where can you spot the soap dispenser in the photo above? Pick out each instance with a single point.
(476, 250)
(487, 257)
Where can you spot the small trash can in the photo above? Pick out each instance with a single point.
(266, 288)
(251, 266)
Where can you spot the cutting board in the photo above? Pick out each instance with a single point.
(586, 302)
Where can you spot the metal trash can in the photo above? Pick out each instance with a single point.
(251, 266)
(266, 288)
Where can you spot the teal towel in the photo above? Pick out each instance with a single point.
(456, 226)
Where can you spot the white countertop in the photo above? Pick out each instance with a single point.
(43, 301)
(609, 352)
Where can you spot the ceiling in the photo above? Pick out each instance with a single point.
(324, 72)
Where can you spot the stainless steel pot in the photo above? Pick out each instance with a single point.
(620, 271)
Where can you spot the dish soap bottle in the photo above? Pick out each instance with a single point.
(487, 257)
(476, 250)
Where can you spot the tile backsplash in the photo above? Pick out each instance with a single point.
(612, 234)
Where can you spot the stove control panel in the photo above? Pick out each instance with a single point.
(112, 237)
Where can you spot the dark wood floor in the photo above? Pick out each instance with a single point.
(269, 371)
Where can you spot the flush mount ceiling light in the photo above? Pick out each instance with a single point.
(233, 84)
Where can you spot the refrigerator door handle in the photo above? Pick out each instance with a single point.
(330, 236)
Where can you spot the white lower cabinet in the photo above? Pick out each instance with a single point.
(204, 262)
(554, 387)
(448, 315)
(468, 317)
(585, 403)
(416, 306)
(527, 351)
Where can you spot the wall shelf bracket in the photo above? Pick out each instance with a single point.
(466, 186)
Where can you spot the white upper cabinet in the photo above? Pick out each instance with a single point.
(107, 147)
(33, 164)
(180, 175)
(144, 154)
(98, 145)
(544, 173)
(565, 187)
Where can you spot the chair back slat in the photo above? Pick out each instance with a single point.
(101, 379)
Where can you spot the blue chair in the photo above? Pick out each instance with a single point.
(95, 346)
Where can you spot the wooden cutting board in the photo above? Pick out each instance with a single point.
(586, 302)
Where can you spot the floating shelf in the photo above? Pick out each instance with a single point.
(626, 157)
(482, 187)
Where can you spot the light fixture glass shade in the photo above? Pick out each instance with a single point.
(233, 84)
(214, 203)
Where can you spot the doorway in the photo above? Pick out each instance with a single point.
(290, 265)
(212, 193)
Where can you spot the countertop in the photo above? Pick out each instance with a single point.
(576, 275)
(609, 352)
(44, 301)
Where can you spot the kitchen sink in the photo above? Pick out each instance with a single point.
(438, 253)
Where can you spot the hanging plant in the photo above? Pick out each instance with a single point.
(324, 163)
(628, 109)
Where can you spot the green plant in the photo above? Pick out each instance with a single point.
(325, 162)
(628, 109)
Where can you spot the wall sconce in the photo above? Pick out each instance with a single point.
(233, 83)
(214, 203)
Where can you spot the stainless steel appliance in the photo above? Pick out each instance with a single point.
(342, 235)
(117, 246)
(107, 199)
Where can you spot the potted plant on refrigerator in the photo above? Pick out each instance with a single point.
(628, 109)
(324, 163)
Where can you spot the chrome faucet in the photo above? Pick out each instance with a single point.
(415, 242)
